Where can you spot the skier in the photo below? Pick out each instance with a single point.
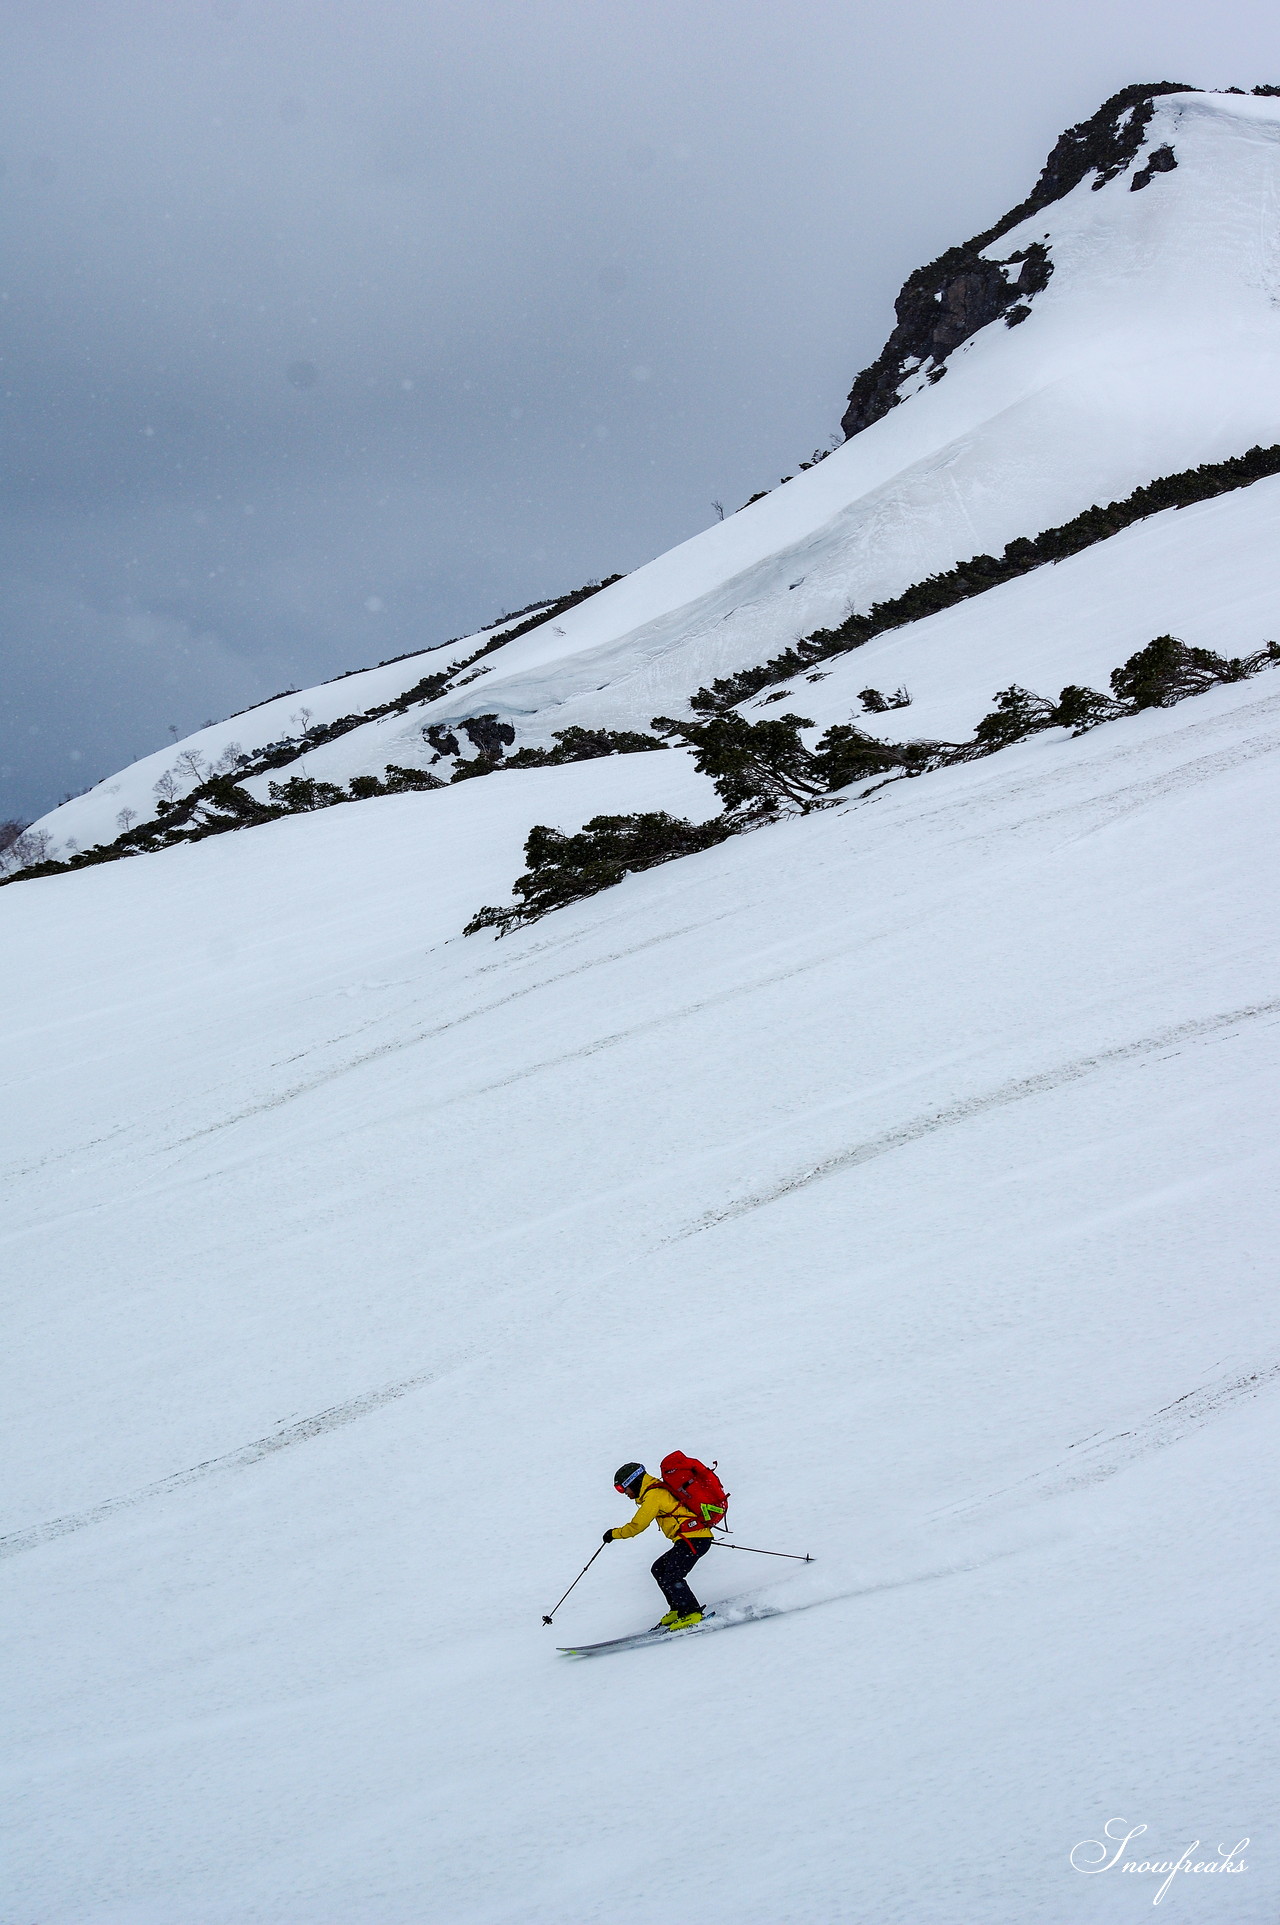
(690, 1540)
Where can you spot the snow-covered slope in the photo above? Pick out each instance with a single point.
(94, 816)
(914, 1159)
(1153, 348)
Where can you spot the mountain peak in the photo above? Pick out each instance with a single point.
(944, 302)
(1149, 350)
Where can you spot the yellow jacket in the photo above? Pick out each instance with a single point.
(655, 1504)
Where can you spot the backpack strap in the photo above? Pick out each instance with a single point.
(690, 1517)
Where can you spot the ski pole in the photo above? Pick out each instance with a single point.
(548, 1615)
(806, 1559)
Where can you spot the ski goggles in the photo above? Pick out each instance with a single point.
(634, 1478)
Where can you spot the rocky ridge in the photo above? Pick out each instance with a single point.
(946, 301)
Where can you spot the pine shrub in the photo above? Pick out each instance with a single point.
(565, 868)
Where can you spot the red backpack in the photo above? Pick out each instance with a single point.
(697, 1487)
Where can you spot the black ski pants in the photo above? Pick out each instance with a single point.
(673, 1568)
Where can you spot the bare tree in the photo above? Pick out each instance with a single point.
(126, 819)
(302, 719)
(167, 787)
(232, 755)
(10, 831)
(719, 508)
(32, 846)
(190, 763)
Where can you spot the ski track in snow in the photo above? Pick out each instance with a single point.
(761, 1614)
(1177, 1420)
(301, 1432)
(397, 1045)
(1017, 1090)
(1110, 807)
(1113, 1453)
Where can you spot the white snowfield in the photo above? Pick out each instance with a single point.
(915, 1159)
(1155, 347)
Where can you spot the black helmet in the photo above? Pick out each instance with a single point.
(624, 1478)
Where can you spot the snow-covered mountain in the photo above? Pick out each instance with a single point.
(913, 1157)
(1150, 348)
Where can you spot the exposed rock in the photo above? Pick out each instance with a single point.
(442, 739)
(942, 304)
(1161, 162)
(490, 736)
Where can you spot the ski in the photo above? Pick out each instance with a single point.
(712, 1621)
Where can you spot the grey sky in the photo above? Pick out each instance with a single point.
(331, 328)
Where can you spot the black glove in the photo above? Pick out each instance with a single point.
(608, 1537)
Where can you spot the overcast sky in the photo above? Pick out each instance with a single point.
(333, 328)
